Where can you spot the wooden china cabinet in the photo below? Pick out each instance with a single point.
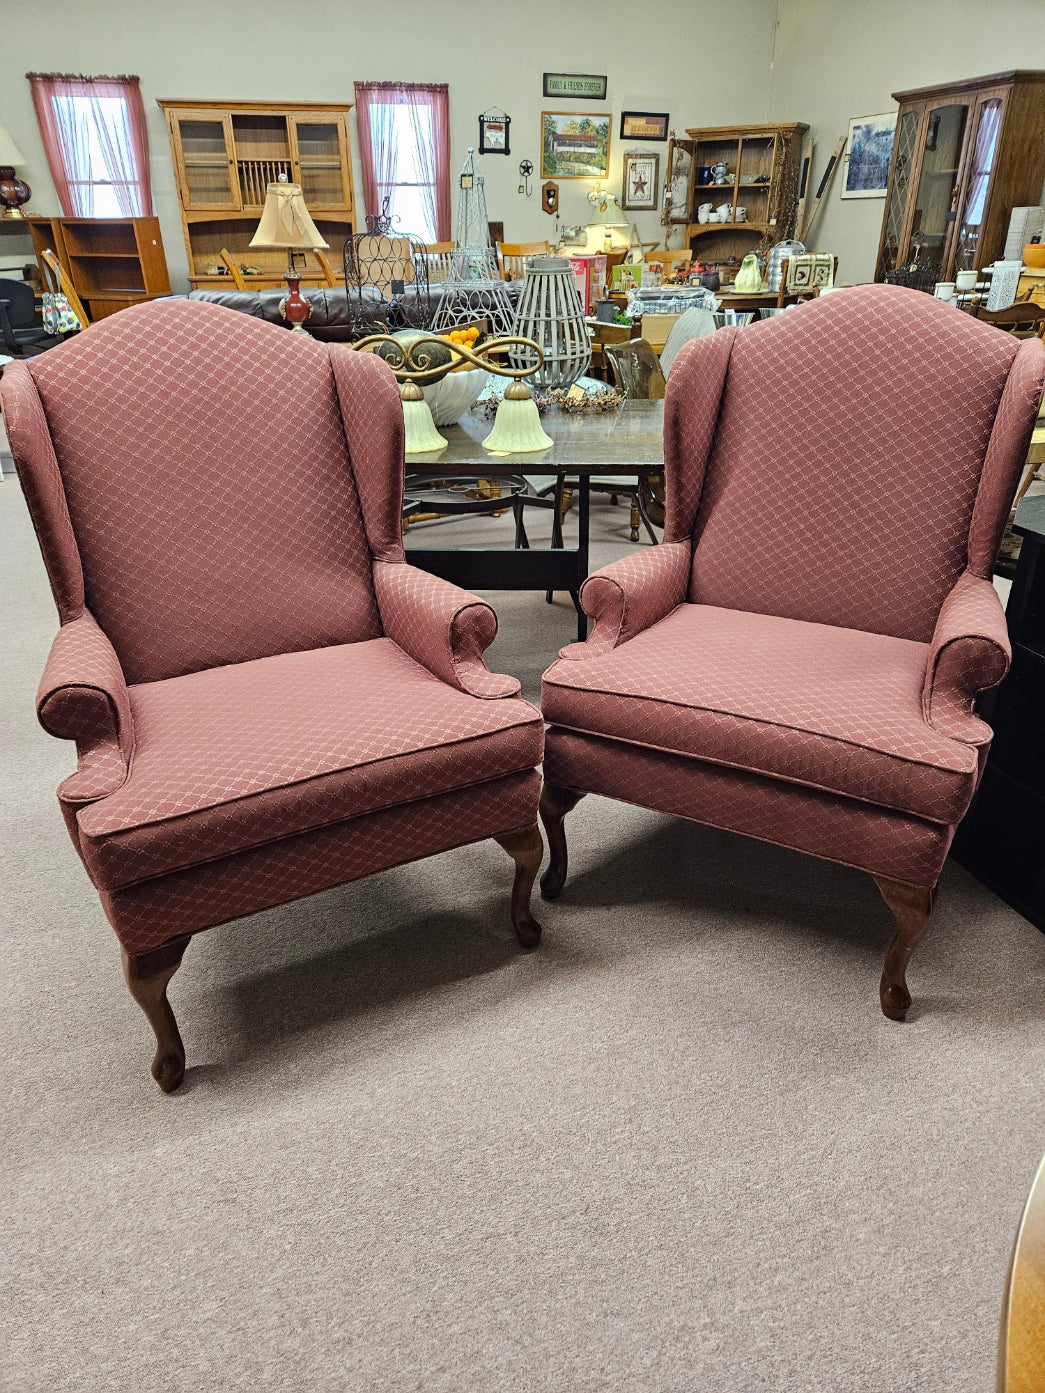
(225, 154)
(965, 154)
(762, 168)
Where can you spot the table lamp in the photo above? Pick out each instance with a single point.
(13, 191)
(285, 222)
(608, 214)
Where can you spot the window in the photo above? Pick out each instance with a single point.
(404, 147)
(93, 130)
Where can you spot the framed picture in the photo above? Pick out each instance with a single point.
(575, 145)
(493, 134)
(590, 87)
(644, 125)
(870, 150)
(641, 181)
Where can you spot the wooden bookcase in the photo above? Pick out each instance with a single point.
(965, 154)
(112, 262)
(770, 154)
(225, 154)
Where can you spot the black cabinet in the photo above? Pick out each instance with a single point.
(1002, 839)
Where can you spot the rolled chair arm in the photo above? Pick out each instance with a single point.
(631, 594)
(969, 652)
(440, 626)
(83, 697)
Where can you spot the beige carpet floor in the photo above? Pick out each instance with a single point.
(678, 1149)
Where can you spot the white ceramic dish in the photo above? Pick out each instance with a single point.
(450, 399)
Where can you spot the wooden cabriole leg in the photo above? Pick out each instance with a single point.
(911, 906)
(147, 976)
(555, 804)
(527, 851)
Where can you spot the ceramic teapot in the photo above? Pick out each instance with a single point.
(719, 172)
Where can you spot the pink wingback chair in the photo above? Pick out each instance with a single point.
(797, 660)
(266, 700)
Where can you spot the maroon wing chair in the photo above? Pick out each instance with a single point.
(266, 700)
(798, 660)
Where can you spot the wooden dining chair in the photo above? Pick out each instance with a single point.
(513, 256)
(62, 283)
(225, 256)
(672, 259)
(1024, 320)
(439, 256)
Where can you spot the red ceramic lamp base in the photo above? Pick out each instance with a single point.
(296, 309)
(13, 193)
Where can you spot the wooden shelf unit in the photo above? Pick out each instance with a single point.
(225, 155)
(112, 262)
(965, 154)
(772, 152)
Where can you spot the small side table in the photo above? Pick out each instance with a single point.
(1001, 838)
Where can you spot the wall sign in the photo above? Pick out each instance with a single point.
(587, 86)
(644, 125)
(493, 133)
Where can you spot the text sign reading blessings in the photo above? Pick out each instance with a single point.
(585, 85)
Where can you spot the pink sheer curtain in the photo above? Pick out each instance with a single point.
(429, 115)
(71, 109)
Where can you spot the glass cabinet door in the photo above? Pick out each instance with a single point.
(987, 120)
(203, 141)
(893, 246)
(937, 196)
(321, 162)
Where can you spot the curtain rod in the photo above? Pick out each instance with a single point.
(83, 77)
(421, 86)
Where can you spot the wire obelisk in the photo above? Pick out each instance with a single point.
(475, 289)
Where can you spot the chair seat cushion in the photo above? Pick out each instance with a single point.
(237, 756)
(832, 709)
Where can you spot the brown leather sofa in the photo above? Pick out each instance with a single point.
(329, 321)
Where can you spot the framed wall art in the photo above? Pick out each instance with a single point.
(644, 125)
(493, 133)
(575, 144)
(870, 150)
(641, 181)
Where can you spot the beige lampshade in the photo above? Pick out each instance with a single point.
(9, 151)
(285, 221)
(608, 212)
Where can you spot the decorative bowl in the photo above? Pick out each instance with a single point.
(449, 399)
(1034, 255)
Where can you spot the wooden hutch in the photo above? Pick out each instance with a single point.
(225, 154)
(965, 154)
(763, 164)
(112, 262)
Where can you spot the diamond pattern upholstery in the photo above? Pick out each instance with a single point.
(838, 479)
(835, 709)
(847, 457)
(254, 721)
(187, 560)
(341, 731)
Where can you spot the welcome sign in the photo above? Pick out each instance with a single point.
(587, 86)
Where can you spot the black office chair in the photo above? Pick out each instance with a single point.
(17, 312)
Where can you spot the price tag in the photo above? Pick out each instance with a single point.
(576, 393)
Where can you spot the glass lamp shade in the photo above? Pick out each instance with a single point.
(608, 212)
(286, 222)
(550, 312)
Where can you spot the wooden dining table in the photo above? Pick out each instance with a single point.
(625, 442)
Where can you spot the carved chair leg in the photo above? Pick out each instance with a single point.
(147, 976)
(556, 802)
(527, 851)
(911, 906)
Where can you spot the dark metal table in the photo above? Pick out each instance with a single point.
(625, 442)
